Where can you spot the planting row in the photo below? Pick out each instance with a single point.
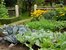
(43, 39)
(47, 25)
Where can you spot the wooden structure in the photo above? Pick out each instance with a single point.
(11, 6)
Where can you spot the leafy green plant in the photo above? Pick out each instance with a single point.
(61, 13)
(40, 2)
(47, 40)
(57, 14)
(50, 14)
(47, 25)
(3, 11)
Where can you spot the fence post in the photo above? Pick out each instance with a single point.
(35, 7)
(17, 10)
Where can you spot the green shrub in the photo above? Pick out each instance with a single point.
(9, 20)
(3, 11)
(58, 14)
(50, 14)
(61, 14)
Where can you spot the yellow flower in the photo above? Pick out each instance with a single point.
(37, 13)
(62, 14)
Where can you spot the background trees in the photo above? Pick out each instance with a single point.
(10, 3)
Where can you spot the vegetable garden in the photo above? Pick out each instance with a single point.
(45, 31)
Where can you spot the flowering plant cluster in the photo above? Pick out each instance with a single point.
(38, 13)
(61, 14)
(57, 14)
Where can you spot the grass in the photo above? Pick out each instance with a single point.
(25, 15)
(24, 18)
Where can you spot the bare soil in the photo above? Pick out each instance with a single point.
(17, 47)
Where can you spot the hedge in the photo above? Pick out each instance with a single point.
(9, 20)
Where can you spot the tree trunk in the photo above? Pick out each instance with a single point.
(29, 8)
(64, 2)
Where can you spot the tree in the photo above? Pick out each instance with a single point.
(39, 1)
(30, 2)
(10, 3)
(28, 5)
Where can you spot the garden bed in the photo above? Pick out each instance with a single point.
(34, 37)
(42, 28)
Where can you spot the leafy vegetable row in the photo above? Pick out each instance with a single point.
(47, 25)
(46, 40)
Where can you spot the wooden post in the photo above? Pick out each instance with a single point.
(17, 10)
(35, 7)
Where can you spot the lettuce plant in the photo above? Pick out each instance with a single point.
(43, 39)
